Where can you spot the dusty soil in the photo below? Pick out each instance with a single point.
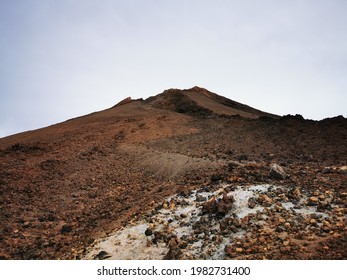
(64, 187)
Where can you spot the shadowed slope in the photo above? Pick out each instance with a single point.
(199, 101)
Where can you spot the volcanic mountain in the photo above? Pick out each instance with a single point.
(65, 186)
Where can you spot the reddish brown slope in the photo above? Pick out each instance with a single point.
(64, 185)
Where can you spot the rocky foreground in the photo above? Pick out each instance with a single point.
(231, 221)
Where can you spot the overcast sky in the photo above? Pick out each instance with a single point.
(65, 58)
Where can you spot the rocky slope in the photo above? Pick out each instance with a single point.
(64, 187)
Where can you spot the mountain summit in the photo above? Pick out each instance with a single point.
(200, 101)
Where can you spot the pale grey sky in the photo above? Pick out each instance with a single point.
(65, 58)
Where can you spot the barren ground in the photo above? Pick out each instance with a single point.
(65, 186)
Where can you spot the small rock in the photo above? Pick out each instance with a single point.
(174, 251)
(216, 178)
(225, 224)
(283, 197)
(66, 229)
(224, 205)
(297, 193)
(277, 172)
(184, 193)
(262, 239)
(92, 195)
(265, 200)
(343, 168)
(238, 250)
(312, 201)
(237, 222)
(150, 214)
(148, 232)
(251, 202)
(210, 206)
(169, 230)
(327, 224)
(228, 249)
(172, 206)
(102, 255)
(158, 236)
(326, 229)
(26, 224)
(200, 198)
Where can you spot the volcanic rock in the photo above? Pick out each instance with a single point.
(148, 232)
(225, 205)
(277, 172)
(102, 255)
(210, 206)
(251, 202)
(66, 229)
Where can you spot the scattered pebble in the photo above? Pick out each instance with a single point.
(228, 222)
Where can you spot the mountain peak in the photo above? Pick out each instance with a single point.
(199, 101)
(197, 89)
